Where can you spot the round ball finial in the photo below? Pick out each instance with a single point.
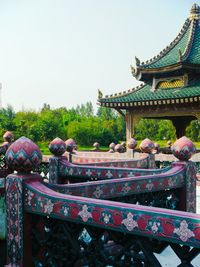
(194, 11)
(112, 146)
(8, 136)
(70, 145)
(183, 148)
(119, 148)
(23, 155)
(169, 143)
(157, 146)
(147, 146)
(132, 143)
(57, 147)
(96, 145)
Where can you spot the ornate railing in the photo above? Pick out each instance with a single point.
(125, 234)
(110, 222)
(63, 171)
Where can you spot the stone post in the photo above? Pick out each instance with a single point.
(22, 156)
(183, 149)
(58, 148)
(147, 146)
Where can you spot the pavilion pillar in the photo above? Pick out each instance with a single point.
(131, 121)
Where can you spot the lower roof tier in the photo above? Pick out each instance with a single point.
(144, 96)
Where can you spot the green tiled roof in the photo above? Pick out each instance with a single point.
(171, 55)
(144, 94)
(184, 48)
(181, 58)
(194, 55)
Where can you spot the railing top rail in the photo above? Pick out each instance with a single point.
(172, 178)
(176, 226)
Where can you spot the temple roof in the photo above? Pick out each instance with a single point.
(184, 50)
(136, 96)
(171, 77)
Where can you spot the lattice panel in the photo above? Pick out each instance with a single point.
(170, 84)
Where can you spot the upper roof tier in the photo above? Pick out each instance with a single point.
(171, 77)
(182, 53)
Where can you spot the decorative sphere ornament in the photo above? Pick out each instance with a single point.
(119, 148)
(132, 143)
(112, 146)
(157, 146)
(57, 147)
(123, 144)
(183, 148)
(96, 145)
(147, 146)
(23, 155)
(70, 145)
(8, 136)
(169, 143)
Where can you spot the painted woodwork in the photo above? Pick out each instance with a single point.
(176, 226)
(37, 209)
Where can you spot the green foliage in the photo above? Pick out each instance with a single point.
(84, 126)
(155, 129)
(193, 130)
(7, 116)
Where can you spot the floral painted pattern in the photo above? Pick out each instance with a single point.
(154, 225)
(149, 185)
(129, 222)
(65, 210)
(98, 192)
(183, 231)
(109, 174)
(171, 182)
(106, 217)
(126, 188)
(29, 195)
(84, 213)
(48, 207)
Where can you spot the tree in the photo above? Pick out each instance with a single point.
(106, 113)
(193, 130)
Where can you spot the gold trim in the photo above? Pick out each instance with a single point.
(170, 82)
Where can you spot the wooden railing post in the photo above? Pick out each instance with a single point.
(147, 146)
(57, 147)
(22, 156)
(183, 149)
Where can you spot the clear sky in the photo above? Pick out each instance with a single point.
(61, 51)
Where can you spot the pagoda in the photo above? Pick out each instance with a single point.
(171, 83)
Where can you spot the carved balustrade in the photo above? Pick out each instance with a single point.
(91, 224)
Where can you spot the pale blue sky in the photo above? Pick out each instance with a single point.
(61, 51)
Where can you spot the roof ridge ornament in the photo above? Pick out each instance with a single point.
(133, 70)
(100, 94)
(137, 61)
(194, 12)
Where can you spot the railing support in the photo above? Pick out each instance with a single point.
(21, 156)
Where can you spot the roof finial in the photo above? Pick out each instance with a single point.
(133, 70)
(194, 12)
(137, 61)
(100, 94)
